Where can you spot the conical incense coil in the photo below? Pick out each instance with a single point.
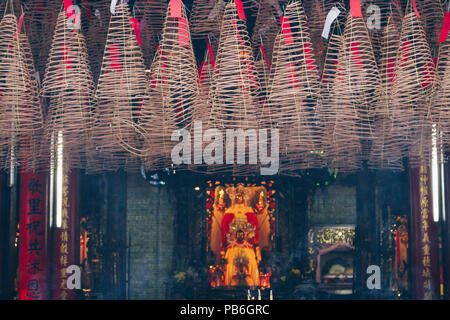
(328, 74)
(205, 18)
(414, 74)
(69, 86)
(155, 11)
(234, 97)
(359, 73)
(294, 88)
(179, 84)
(121, 92)
(21, 115)
(389, 145)
(441, 98)
(266, 28)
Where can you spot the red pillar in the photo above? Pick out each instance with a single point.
(33, 244)
(425, 264)
(66, 238)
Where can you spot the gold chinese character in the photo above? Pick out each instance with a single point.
(426, 261)
(63, 260)
(64, 236)
(64, 249)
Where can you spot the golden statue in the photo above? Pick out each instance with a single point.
(235, 234)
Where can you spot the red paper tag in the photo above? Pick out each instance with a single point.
(287, 32)
(428, 73)
(445, 28)
(68, 7)
(406, 47)
(66, 56)
(114, 56)
(415, 9)
(175, 8)
(183, 32)
(264, 56)
(240, 9)
(135, 26)
(293, 79)
(390, 69)
(201, 73)
(19, 27)
(354, 46)
(355, 8)
(211, 54)
(309, 57)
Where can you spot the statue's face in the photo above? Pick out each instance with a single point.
(240, 235)
(239, 197)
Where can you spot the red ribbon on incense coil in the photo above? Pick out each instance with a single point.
(19, 27)
(240, 10)
(135, 26)
(68, 7)
(264, 56)
(354, 46)
(355, 8)
(175, 8)
(415, 9)
(286, 28)
(211, 54)
(66, 56)
(445, 28)
(309, 57)
(114, 57)
(183, 32)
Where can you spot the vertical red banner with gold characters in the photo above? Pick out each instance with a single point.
(33, 243)
(66, 237)
(425, 270)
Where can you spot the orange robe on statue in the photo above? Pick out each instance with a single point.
(239, 239)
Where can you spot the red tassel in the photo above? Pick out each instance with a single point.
(68, 7)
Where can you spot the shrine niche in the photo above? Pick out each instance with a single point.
(331, 253)
(240, 231)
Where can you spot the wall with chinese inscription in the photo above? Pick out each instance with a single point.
(151, 226)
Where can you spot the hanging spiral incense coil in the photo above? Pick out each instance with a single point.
(388, 147)
(205, 18)
(21, 115)
(69, 87)
(180, 83)
(266, 28)
(157, 122)
(235, 93)
(40, 20)
(411, 87)
(441, 95)
(431, 14)
(295, 90)
(358, 85)
(328, 74)
(121, 93)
